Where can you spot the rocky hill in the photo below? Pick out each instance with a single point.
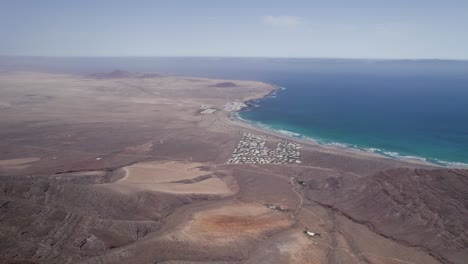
(427, 209)
(224, 85)
(52, 221)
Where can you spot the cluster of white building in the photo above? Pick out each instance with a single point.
(234, 106)
(208, 111)
(288, 152)
(251, 149)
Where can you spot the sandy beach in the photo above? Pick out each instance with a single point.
(234, 118)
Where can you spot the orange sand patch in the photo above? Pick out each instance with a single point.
(233, 223)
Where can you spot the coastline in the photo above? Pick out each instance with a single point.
(235, 118)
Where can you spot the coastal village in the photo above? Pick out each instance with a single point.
(252, 150)
(234, 106)
(229, 107)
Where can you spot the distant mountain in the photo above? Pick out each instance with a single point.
(224, 85)
(421, 208)
(150, 75)
(113, 75)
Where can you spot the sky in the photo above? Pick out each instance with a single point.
(397, 29)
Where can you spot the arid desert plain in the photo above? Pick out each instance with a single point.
(143, 168)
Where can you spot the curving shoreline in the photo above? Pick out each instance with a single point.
(339, 147)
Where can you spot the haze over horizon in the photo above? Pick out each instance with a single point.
(229, 132)
(275, 29)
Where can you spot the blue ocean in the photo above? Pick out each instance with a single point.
(397, 108)
(398, 116)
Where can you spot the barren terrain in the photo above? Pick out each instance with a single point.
(130, 168)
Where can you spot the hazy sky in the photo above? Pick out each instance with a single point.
(346, 29)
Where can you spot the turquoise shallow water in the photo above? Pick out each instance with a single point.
(402, 116)
(398, 108)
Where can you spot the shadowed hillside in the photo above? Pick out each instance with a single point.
(421, 208)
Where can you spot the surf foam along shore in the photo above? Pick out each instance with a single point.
(250, 104)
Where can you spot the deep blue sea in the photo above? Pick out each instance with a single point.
(398, 108)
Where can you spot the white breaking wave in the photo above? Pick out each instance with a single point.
(391, 154)
(338, 144)
(374, 150)
(289, 133)
(453, 164)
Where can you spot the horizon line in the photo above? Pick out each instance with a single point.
(235, 57)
